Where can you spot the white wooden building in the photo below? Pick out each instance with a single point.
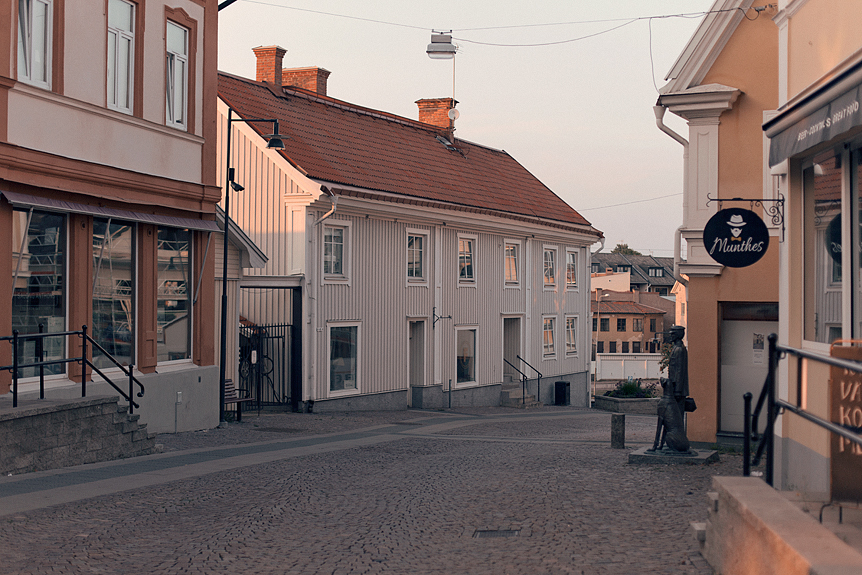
(408, 262)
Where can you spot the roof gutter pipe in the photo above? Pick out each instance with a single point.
(332, 198)
(677, 235)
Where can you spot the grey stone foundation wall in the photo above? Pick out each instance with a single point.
(42, 434)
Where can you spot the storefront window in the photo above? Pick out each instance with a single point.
(113, 290)
(174, 294)
(823, 277)
(39, 285)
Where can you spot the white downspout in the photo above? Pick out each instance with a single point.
(333, 199)
(677, 237)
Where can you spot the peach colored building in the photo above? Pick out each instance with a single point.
(725, 92)
(107, 179)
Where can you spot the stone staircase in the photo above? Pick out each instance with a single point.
(42, 434)
(511, 395)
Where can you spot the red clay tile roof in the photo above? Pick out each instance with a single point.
(344, 144)
(624, 307)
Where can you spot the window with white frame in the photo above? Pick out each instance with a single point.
(550, 267)
(571, 269)
(121, 55)
(656, 272)
(548, 348)
(343, 357)
(335, 252)
(416, 256)
(511, 262)
(177, 79)
(466, 263)
(35, 39)
(465, 355)
(571, 335)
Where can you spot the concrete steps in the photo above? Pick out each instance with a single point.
(511, 395)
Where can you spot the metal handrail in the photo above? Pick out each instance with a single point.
(83, 361)
(773, 404)
(523, 381)
(538, 380)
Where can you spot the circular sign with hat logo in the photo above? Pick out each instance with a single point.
(735, 237)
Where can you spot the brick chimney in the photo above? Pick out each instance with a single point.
(435, 111)
(312, 79)
(269, 60)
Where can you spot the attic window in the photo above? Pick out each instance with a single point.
(449, 145)
(656, 272)
(621, 269)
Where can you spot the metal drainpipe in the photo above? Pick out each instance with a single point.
(332, 198)
(659, 116)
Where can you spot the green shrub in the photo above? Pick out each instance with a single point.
(634, 389)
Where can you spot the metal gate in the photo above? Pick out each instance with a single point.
(265, 362)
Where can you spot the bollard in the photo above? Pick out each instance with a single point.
(618, 430)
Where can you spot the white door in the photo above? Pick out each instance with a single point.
(744, 365)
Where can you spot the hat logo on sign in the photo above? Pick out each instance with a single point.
(736, 222)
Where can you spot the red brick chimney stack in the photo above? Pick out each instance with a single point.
(435, 111)
(269, 59)
(312, 78)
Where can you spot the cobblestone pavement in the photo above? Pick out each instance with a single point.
(414, 501)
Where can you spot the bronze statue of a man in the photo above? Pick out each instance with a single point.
(677, 369)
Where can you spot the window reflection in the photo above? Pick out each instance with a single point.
(174, 295)
(113, 290)
(39, 285)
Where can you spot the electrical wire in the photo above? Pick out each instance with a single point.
(630, 203)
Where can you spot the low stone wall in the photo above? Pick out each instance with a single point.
(42, 434)
(645, 406)
(752, 528)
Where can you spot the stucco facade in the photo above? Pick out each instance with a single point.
(722, 84)
(118, 183)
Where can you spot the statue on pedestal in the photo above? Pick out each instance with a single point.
(670, 428)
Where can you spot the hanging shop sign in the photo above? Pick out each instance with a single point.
(735, 237)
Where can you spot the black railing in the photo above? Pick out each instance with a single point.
(538, 380)
(766, 441)
(84, 361)
(523, 381)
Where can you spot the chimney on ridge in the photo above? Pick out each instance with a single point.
(435, 111)
(312, 79)
(269, 60)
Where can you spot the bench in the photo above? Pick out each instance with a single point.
(232, 395)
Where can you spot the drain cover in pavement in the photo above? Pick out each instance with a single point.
(482, 534)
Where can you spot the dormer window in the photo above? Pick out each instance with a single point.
(621, 269)
(656, 272)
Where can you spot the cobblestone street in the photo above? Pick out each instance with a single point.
(479, 491)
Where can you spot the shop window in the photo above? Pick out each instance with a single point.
(174, 296)
(822, 228)
(39, 285)
(113, 291)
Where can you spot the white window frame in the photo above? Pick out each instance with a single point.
(518, 245)
(113, 91)
(344, 276)
(554, 251)
(26, 42)
(473, 239)
(341, 392)
(549, 352)
(426, 247)
(576, 253)
(171, 80)
(572, 334)
(475, 330)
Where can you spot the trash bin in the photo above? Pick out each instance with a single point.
(562, 393)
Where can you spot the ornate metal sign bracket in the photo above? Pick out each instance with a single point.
(775, 212)
(438, 317)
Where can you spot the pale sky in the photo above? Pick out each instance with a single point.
(576, 114)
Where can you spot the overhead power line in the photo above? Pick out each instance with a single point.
(629, 203)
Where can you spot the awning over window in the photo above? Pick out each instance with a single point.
(28, 201)
(823, 114)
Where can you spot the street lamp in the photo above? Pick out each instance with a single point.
(274, 142)
(442, 48)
